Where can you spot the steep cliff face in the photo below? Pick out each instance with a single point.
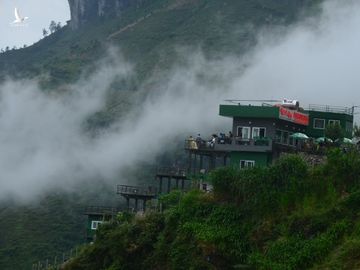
(83, 11)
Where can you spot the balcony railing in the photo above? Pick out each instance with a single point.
(136, 191)
(101, 210)
(229, 145)
(171, 171)
(332, 109)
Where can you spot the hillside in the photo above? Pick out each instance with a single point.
(288, 216)
(148, 35)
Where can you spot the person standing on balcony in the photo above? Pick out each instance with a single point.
(198, 140)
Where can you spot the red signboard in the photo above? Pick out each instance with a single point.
(293, 116)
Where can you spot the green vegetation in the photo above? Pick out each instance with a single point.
(151, 44)
(39, 232)
(334, 132)
(158, 29)
(287, 216)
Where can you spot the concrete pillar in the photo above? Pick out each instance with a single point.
(177, 183)
(144, 205)
(169, 185)
(189, 162)
(160, 184)
(182, 184)
(136, 204)
(128, 203)
(194, 167)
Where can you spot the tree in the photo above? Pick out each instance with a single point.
(58, 26)
(52, 27)
(45, 32)
(334, 131)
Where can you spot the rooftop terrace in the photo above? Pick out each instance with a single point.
(331, 109)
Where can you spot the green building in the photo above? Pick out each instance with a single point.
(261, 133)
(97, 215)
(322, 116)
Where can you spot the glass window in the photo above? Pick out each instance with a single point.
(243, 132)
(95, 224)
(291, 139)
(334, 122)
(319, 123)
(258, 132)
(285, 137)
(278, 136)
(247, 164)
(349, 126)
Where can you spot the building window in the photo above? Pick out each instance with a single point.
(243, 132)
(285, 137)
(259, 132)
(291, 139)
(334, 122)
(247, 164)
(95, 224)
(278, 136)
(319, 123)
(349, 127)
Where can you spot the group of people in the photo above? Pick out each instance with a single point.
(199, 142)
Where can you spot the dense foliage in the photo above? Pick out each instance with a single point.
(287, 216)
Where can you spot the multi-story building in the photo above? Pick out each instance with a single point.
(260, 133)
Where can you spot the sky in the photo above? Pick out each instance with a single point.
(40, 13)
(43, 145)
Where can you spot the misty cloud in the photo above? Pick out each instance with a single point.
(43, 144)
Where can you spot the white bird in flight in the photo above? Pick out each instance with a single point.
(18, 18)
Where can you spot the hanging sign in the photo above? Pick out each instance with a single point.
(293, 116)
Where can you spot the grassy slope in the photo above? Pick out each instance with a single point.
(215, 26)
(289, 216)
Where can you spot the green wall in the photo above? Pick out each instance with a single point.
(261, 159)
(249, 111)
(342, 117)
(89, 232)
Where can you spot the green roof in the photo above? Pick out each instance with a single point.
(249, 111)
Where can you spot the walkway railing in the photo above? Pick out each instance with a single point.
(171, 171)
(140, 191)
(234, 144)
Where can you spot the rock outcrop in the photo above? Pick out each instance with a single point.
(84, 11)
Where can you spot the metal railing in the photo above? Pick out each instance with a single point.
(332, 109)
(140, 191)
(57, 262)
(101, 210)
(171, 171)
(233, 142)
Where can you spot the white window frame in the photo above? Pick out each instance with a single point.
(258, 128)
(323, 120)
(247, 164)
(334, 122)
(242, 135)
(95, 224)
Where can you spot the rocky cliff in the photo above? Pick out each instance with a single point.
(83, 11)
